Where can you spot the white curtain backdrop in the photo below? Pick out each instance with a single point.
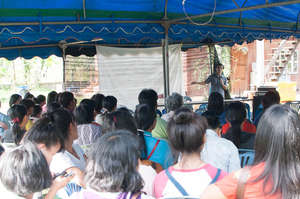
(124, 72)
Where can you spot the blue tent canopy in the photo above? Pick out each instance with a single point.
(41, 28)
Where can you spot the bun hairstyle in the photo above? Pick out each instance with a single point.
(186, 131)
(17, 113)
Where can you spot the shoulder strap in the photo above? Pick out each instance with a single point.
(153, 150)
(242, 182)
(216, 176)
(176, 183)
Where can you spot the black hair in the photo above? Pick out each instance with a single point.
(270, 98)
(277, 146)
(212, 119)
(98, 99)
(52, 97)
(24, 170)
(117, 120)
(50, 129)
(17, 113)
(62, 118)
(14, 98)
(28, 103)
(235, 115)
(112, 164)
(186, 131)
(144, 116)
(109, 103)
(65, 99)
(28, 95)
(216, 103)
(40, 99)
(52, 107)
(84, 113)
(121, 119)
(1, 150)
(37, 110)
(148, 96)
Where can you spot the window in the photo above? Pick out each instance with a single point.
(292, 65)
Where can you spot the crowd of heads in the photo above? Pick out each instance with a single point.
(114, 157)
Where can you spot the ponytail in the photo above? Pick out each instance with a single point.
(17, 113)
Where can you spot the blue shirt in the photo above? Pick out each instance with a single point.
(5, 119)
(158, 150)
(220, 152)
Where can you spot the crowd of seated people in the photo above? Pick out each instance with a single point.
(55, 148)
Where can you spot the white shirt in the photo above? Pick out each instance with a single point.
(168, 116)
(220, 152)
(148, 174)
(65, 160)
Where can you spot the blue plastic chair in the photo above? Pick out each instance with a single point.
(202, 108)
(72, 187)
(246, 157)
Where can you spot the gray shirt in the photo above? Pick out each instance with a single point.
(215, 83)
(220, 153)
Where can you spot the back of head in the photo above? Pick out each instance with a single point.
(62, 118)
(65, 99)
(174, 101)
(84, 113)
(148, 96)
(235, 115)
(109, 103)
(236, 112)
(98, 99)
(118, 120)
(41, 100)
(144, 116)
(52, 97)
(216, 103)
(17, 113)
(37, 110)
(270, 98)
(277, 145)
(52, 107)
(14, 99)
(186, 131)
(112, 164)
(212, 119)
(24, 170)
(47, 131)
(28, 103)
(28, 95)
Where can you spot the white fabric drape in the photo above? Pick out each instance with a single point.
(124, 72)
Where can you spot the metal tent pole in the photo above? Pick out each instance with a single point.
(166, 65)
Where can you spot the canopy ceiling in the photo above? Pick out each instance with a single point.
(52, 24)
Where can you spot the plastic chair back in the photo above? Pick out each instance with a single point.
(246, 157)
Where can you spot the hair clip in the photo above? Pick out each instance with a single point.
(15, 120)
(115, 119)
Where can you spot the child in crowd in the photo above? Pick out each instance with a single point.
(190, 176)
(112, 168)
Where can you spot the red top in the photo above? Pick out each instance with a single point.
(247, 127)
(228, 185)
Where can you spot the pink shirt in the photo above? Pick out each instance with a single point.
(194, 181)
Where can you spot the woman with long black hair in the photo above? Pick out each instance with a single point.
(276, 170)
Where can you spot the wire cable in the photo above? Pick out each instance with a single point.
(195, 23)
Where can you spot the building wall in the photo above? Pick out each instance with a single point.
(196, 67)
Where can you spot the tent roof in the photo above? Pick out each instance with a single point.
(141, 23)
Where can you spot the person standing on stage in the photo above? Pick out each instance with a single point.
(218, 82)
